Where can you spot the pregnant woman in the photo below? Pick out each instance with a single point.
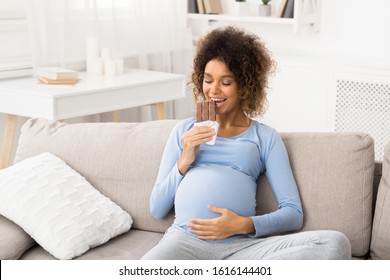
(213, 187)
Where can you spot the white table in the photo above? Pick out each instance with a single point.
(93, 94)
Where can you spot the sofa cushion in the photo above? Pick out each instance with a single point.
(58, 207)
(14, 241)
(131, 245)
(334, 174)
(380, 243)
(120, 160)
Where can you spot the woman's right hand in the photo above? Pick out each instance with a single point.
(191, 141)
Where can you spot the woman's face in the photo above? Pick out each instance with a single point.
(220, 85)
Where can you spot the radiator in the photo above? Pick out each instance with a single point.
(364, 106)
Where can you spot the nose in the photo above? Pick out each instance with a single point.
(214, 89)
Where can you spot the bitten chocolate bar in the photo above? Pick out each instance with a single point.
(205, 111)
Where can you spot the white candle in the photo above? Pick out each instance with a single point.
(105, 53)
(119, 66)
(109, 67)
(92, 47)
(95, 66)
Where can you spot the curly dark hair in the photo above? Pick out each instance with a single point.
(246, 57)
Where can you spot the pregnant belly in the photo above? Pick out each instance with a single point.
(216, 186)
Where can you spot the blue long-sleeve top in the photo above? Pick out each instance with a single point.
(225, 175)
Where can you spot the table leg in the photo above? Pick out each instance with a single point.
(8, 138)
(161, 113)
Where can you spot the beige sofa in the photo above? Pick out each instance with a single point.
(336, 174)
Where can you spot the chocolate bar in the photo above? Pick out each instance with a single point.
(205, 111)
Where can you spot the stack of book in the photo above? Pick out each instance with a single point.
(205, 6)
(57, 75)
(285, 9)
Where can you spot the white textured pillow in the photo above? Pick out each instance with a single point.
(58, 207)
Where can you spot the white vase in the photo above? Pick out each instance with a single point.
(240, 8)
(265, 10)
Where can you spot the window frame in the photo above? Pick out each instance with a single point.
(13, 22)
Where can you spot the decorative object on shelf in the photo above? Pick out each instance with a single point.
(265, 8)
(241, 8)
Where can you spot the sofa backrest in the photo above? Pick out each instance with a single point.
(334, 171)
(121, 160)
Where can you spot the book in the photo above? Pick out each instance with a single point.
(212, 6)
(289, 11)
(281, 8)
(193, 7)
(200, 6)
(57, 81)
(56, 73)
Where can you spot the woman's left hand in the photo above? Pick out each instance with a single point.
(226, 225)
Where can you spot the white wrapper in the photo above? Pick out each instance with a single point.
(212, 124)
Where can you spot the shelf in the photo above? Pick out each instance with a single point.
(306, 12)
(254, 19)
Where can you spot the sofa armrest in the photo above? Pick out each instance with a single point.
(380, 241)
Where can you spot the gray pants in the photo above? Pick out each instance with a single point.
(309, 245)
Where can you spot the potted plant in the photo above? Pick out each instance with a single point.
(265, 9)
(241, 8)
